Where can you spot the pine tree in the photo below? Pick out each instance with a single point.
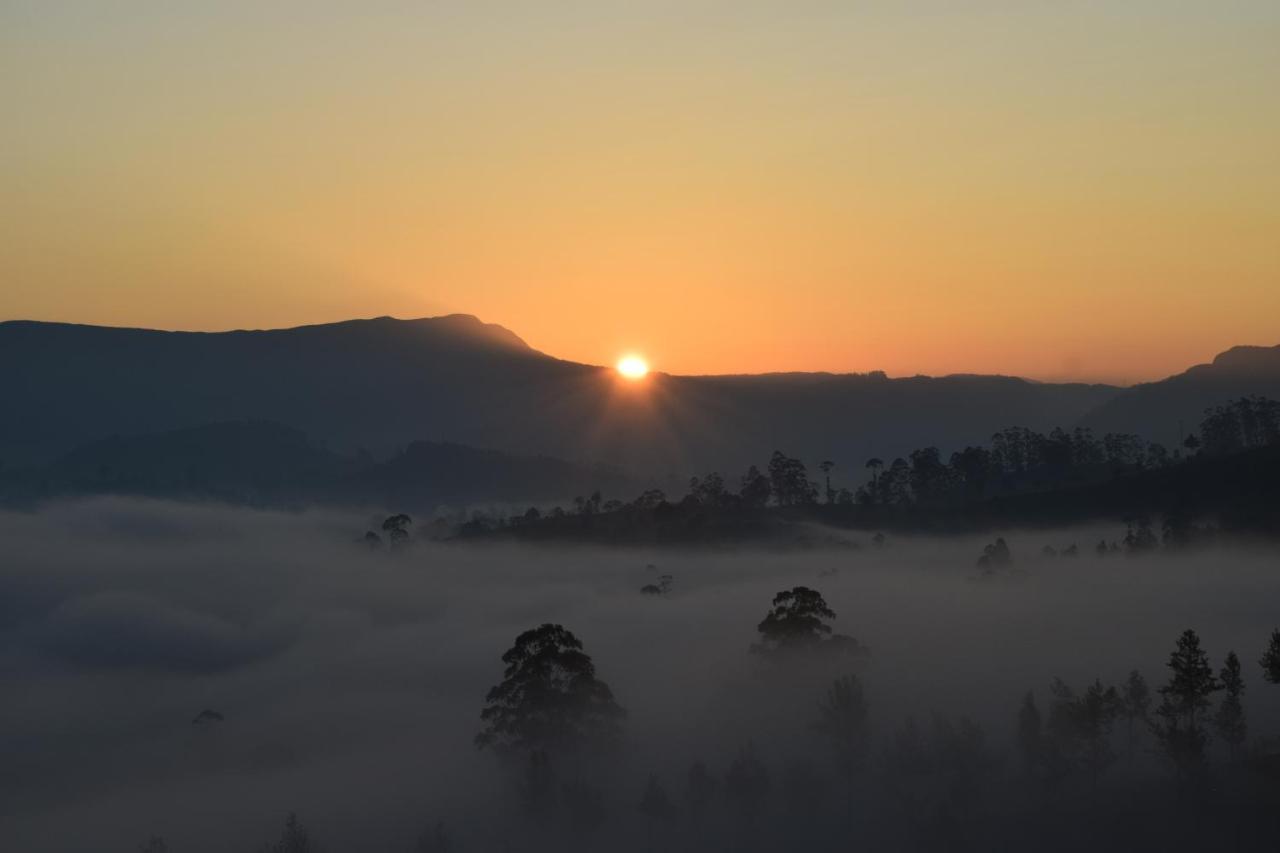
(1191, 682)
(1135, 701)
(1271, 659)
(1229, 719)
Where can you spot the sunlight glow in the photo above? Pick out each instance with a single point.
(633, 367)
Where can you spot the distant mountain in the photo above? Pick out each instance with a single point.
(263, 463)
(1175, 406)
(377, 385)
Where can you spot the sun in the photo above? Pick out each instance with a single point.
(633, 367)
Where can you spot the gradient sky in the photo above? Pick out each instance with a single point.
(1054, 188)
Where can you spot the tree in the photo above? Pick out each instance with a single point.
(1092, 716)
(397, 528)
(709, 491)
(1271, 659)
(1191, 681)
(154, 844)
(842, 720)
(1135, 705)
(874, 465)
(789, 480)
(293, 839)
(1229, 719)
(1139, 538)
(549, 698)
(826, 465)
(996, 555)
(755, 490)
(797, 623)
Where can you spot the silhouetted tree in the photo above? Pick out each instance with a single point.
(371, 540)
(293, 839)
(996, 555)
(1135, 704)
(755, 490)
(154, 844)
(1139, 539)
(789, 480)
(1271, 659)
(797, 623)
(874, 465)
(1229, 719)
(1178, 726)
(709, 491)
(826, 465)
(397, 529)
(549, 697)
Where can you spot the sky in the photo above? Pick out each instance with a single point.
(1059, 190)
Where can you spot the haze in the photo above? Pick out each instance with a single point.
(351, 680)
(1085, 190)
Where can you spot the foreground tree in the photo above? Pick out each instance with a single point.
(1229, 721)
(797, 623)
(1178, 726)
(549, 698)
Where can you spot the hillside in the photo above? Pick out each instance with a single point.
(374, 386)
(1164, 410)
(263, 463)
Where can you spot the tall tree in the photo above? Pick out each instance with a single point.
(826, 465)
(1229, 719)
(549, 698)
(874, 465)
(789, 480)
(754, 489)
(1183, 698)
(1135, 704)
(1271, 659)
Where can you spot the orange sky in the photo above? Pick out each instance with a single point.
(1053, 190)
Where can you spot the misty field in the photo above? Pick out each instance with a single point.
(346, 685)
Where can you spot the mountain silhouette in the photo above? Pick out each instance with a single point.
(1164, 411)
(264, 463)
(375, 386)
